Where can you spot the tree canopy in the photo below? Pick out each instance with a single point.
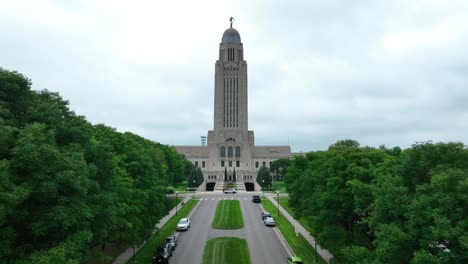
(379, 205)
(67, 185)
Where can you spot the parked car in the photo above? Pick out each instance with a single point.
(269, 221)
(265, 215)
(162, 254)
(172, 240)
(256, 199)
(230, 191)
(184, 224)
(294, 260)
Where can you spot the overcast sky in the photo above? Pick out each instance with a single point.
(381, 72)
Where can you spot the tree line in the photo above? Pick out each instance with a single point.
(67, 186)
(381, 205)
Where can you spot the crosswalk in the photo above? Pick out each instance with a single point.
(222, 198)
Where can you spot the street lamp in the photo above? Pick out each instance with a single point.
(277, 195)
(177, 201)
(263, 188)
(193, 188)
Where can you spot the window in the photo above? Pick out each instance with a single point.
(196, 163)
(237, 152)
(230, 163)
(270, 163)
(203, 164)
(237, 163)
(230, 149)
(222, 163)
(222, 152)
(264, 164)
(256, 164)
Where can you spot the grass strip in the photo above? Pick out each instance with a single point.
(145, 254)
(299, 245)
(228, 215)
(226, 250)
(284, 201)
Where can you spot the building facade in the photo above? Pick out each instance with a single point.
(231, 146)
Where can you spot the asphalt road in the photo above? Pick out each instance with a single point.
(264, 245)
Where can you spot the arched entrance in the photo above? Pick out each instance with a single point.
(249, 187)
(210, 186)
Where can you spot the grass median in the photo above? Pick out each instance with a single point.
(226, 250)
(299, 245)
(145, 254)
(228, 215)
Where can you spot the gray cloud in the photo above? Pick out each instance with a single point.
(379, 72)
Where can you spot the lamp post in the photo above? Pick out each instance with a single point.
(263, 188)
(193, 188)
(277, 195)
(177, 201)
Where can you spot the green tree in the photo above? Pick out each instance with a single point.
(279, 167)
(264, 177)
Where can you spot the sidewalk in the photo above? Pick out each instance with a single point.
(327, 256)
(128, 254)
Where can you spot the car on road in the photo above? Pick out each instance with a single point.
(162, 254)
(172, 240)
(269, 221)
(256, 199)
(294, 260)
(265, 215)
(184, 224)
(230, 191)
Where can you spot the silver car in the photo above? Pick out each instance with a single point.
(269, 221)
(184, 224)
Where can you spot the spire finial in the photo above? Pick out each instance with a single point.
(231, 19)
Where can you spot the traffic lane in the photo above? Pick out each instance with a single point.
(191, 243)
(264, 244)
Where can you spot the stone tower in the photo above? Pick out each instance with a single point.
(231, 145)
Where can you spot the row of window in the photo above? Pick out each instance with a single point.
(231, 54)
(230, 163)
(230, 152)
(263, 164)
(231, 102)
(223, 164)
(203, 164)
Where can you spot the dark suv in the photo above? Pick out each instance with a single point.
(256, 199)
(163, 254)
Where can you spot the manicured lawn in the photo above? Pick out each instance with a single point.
(229, 250)
(228, 215)
(299, 245)
(145, 254)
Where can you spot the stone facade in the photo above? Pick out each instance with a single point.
(230, 145)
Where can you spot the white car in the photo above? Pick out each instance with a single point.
(230, 191)
(184, 224)
(269, 221)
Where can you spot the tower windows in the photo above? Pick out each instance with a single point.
(237, 152)
(203, 164)
(230, 54)
(196, 163)
(230, 150)
(222, 163)
(230, 163)
(256, 164)
(222, 152)
(237, 163)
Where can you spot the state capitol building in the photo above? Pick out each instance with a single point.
(231, 145)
